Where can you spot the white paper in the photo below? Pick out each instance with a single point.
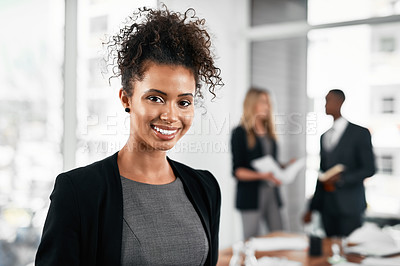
(374, 249)
(370, 232)
(381, 261)
(279, 243)
(286, 176)
(346, 263)
(372, 241)
(275, 261)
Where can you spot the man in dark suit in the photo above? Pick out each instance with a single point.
(341, 199)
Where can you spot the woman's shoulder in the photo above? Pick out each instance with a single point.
(93, 171)
(239, 128)
(238, 131)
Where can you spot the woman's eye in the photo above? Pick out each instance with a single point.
(185, 103)
(155, 99)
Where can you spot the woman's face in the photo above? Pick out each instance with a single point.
(262, 108)
(162, 106)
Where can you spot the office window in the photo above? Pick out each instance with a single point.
(331, 11)
(385, 164)
(98, 24)
(388, 104)
(277, 11)
(31, 121)
(387, 44)
(341, 57)
(97, 68)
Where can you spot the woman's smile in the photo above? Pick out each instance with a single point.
(164, 132)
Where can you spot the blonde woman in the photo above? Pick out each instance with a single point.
(257, 195)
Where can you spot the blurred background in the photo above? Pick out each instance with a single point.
(58, 109)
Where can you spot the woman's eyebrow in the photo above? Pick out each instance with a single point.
(154, 90)
(186, 94)
(161, 92)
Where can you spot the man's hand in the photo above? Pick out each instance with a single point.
(329, 185)
(307, 217)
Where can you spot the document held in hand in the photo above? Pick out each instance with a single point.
(286, 175)
(338, 168)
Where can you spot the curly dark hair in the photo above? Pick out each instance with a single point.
(163, 37)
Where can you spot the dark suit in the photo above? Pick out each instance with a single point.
(342, 209)
(84, 222)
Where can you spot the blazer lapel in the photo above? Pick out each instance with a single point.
(114, 207)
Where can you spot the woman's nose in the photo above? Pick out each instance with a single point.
(169, 114)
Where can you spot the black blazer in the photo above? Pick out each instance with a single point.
(242, 155)
(84, 221)
(354, 150)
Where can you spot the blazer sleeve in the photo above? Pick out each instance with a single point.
(365, 160)
(60, 239)
(215, 220)
(239, 149)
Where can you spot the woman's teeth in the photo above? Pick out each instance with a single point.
(164, 131)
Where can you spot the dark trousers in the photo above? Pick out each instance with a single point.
(340, 225)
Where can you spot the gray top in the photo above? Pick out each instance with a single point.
(266, 143)
(160, 226)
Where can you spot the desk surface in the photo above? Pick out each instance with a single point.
(296, 255)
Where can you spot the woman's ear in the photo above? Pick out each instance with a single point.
(124, 100)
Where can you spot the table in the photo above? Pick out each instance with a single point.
(296, 255)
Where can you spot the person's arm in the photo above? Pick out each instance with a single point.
(245, 174)
(241, 163)
(365, 158)
(60, 240)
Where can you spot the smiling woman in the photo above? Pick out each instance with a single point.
(138, 207)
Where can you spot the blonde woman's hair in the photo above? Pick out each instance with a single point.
(248, 117)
